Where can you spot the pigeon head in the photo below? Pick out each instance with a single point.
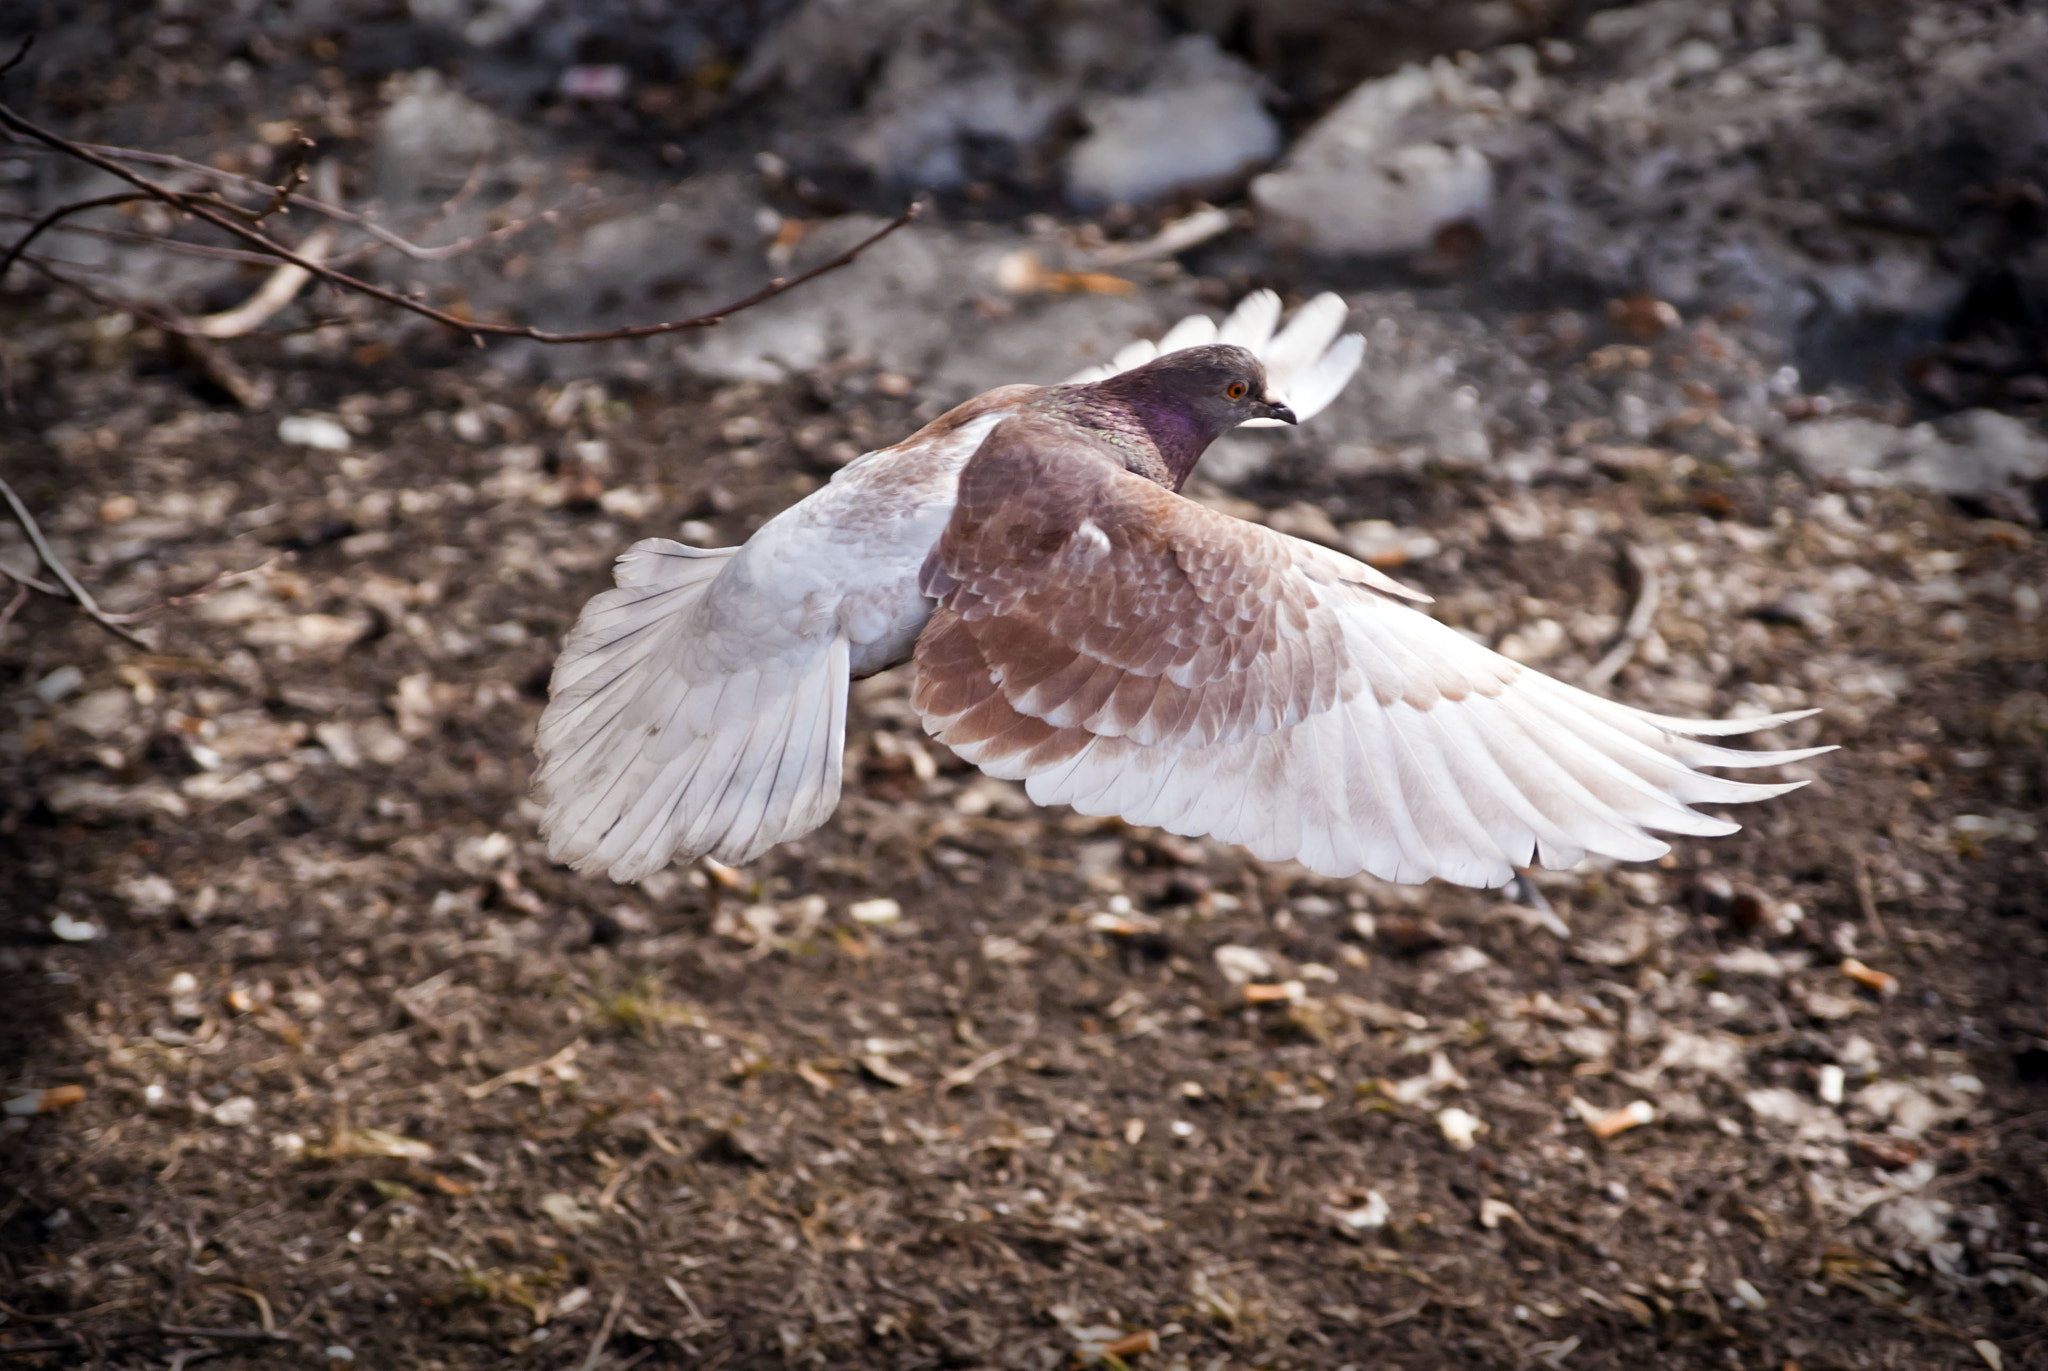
(1176, 406)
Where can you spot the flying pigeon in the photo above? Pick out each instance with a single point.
(1077, 624)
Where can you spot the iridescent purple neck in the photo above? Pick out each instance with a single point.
(1160, 440)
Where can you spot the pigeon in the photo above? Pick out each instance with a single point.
(1075, 623)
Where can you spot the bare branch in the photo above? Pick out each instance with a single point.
(51, 219)
(208, 250)
(19, 53)
(63, 573)
(213, 587)
(101, 298)
(13, 607)
(347, 216)
(199, 208)
(279, 290)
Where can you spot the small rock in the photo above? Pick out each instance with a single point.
(1368, 1217)
(59, 684)
(238, 1112)
(1492, 1212)
(568, 1212)
(877, 911)
(73, 930)
(315, 431)
(1460, 1129)
(1242, 965)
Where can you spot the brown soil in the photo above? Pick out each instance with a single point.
(429, 1101)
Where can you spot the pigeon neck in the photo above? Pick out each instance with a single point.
(1158, 441)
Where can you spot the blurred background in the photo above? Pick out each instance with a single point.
(1707, 362)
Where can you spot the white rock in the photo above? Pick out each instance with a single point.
(1242, 965)
(1199, 124)
(1368, 1217)
(878, 911)
(313, 430)
(1369, 179)
(238, 1112)
(1460, 1129)
(73, 930)
(58, 684)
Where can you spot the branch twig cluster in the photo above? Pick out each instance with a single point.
(313, 259)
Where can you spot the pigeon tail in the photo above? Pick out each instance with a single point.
(657, 745)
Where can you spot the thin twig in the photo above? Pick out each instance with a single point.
(178, 1330)
(1866, 896)
(279, 289)
(50, 221)
(101, 298)
(210, 251)
(475, 330)
(964, 1075)
(63, 573)
(529, 1074)
(13, 606)
(347, 216)
(28, 582)
(1641, 620)
(11, 63)
(604, 1332)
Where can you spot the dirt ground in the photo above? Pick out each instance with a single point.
(359, 1063)
(318, 1059)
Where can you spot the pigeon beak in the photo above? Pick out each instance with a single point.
(1277, 409)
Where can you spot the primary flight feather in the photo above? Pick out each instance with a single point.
(1078, 625)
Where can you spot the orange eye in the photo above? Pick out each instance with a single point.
(1236, 390)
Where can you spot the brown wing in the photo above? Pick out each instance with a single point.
(1130, 652)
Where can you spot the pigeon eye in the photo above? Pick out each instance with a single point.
(1235, 390)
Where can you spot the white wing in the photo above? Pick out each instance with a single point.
(1207, 676)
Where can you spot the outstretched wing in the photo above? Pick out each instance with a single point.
(1126, 651)
(1306, 363)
